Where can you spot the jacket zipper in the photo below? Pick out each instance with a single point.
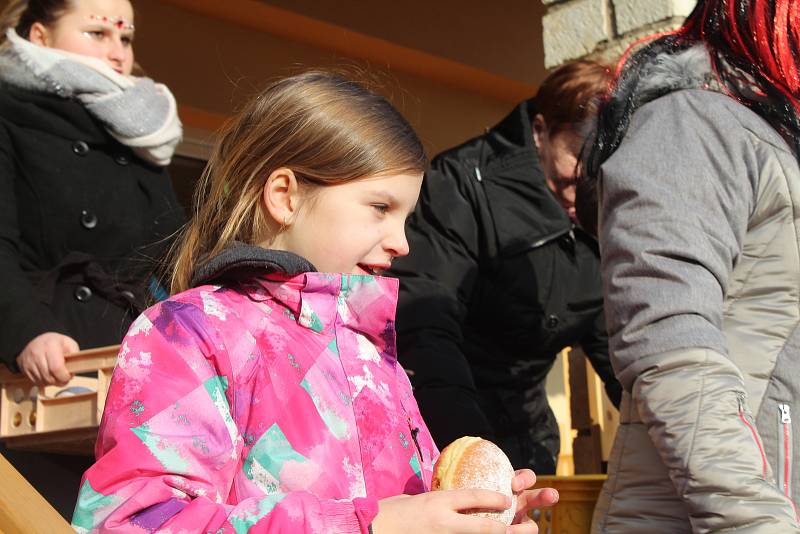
(754, 433)
(785, 451)
(536, 244)
(414, 431)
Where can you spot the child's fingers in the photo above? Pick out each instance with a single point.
(470, 499)
(528, 527)
(523, 479)
(537, 498)
(474, 524)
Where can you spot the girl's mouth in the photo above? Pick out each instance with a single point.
(373, 270)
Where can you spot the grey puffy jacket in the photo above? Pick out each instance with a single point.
(700, 241)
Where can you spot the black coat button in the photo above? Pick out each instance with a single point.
(82, 293)
(88, 219)
(80, 148)
(552, 321)
(129, 296)
(122, 159)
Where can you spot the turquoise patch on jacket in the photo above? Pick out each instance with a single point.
(90, 501)
(164, 451)
(310, 319)
(334, 423)
(270, 452)
(243, 524)
(333, 346)
(216, 386)
(414, 463)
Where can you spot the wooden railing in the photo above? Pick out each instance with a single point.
(22, 509)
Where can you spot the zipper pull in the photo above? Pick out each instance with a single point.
(786, 416)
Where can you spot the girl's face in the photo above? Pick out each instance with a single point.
(102, 29)
(356, 227)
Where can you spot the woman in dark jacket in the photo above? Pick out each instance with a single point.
(86, 205)
(500, 279)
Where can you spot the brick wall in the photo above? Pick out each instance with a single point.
(604, 28)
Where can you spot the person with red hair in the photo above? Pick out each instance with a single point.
(694, 163)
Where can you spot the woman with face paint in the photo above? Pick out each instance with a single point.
(86, 205)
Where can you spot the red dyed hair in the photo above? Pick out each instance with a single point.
(754, 47)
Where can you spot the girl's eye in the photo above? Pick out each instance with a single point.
(127, 40)
(382, 208)
(95, 34)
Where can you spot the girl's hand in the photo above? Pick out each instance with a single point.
(42, 359)
(529, 499)
(438, 511)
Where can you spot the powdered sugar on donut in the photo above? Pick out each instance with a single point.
(483, 465)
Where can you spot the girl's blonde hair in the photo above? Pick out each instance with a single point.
(324, 127)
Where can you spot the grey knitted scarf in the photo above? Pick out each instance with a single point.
(136, 111)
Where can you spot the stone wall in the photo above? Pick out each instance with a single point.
(604, 28)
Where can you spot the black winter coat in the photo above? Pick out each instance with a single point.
(497, 283)
(83, 223)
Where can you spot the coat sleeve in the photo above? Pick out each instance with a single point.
(169, 448)
(675, 202)
(595, 345)
(24, 317)
(436, 284)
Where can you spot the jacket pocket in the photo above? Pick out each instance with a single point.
(785, 449)
(745, 419)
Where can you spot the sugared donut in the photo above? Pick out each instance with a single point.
(475, 463)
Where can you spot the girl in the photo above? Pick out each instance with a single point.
(265, 395)
(697, 156)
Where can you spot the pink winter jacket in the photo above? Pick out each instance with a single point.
(277, 406)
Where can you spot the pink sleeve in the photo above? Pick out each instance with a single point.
(168, 448)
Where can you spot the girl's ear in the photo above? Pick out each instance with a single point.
(39, 34)
(539, 129)
(281, 196)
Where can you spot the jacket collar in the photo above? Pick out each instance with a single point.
(525, 211)
(63, 117)
(240, 261)
(317, 301)
(512, 138)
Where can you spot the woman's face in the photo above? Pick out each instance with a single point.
(558, 155)
(102, 29)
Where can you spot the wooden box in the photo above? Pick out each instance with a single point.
(57, 418)
(573, 513)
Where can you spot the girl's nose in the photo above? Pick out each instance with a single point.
(397, 243)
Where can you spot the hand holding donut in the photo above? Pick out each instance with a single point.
(484, 495)
(476, 463)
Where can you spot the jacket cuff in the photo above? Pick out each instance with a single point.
(355, 516)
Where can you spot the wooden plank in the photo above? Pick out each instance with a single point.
(262, 17)
(557, 387)
(76, 441)
(603, 411)
(579, 392)
(577, 498)
(23, 510)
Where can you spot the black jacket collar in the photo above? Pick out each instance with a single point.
(241, 261)
(63, 117)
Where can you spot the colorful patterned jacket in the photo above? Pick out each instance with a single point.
(275, 405)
